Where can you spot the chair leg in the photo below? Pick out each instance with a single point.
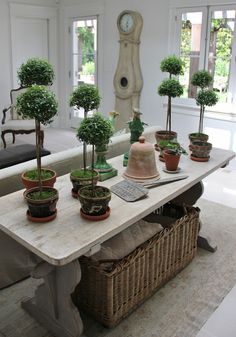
(3, 140)
(13, 137)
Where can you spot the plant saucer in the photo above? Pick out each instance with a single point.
(172, 172)
(199, 159)
(41, 220)
(95, 217)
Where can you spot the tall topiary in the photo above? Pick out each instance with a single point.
(40, 104)
(36, 71)
(85, 96)
(95, 130)
(170, 87)
(205, 96)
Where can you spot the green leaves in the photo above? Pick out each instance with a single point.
(171, 88)
(36, 71)
(95, 130)
(202, 79)
(85, 96)
(206, 97)
(38, 103)
(172, 65)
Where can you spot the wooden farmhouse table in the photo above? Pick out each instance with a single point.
(61, 242)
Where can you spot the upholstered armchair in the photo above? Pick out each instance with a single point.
(13, 123)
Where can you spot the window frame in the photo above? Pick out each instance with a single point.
(174, 48)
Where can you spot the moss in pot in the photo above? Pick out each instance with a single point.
(95, 130)
(87, 97)
(40, 104)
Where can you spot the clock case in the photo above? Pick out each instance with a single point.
(128, 81)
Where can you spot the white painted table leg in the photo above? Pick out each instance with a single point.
(52, 305)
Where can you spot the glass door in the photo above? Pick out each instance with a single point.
(84, 58)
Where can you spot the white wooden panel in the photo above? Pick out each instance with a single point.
(29, 39)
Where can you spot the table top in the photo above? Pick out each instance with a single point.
(70, 236)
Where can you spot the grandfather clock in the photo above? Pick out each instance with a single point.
(128, 80)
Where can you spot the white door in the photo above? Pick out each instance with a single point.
(30, 39)
(83, 58)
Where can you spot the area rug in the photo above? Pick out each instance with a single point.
(179, 309)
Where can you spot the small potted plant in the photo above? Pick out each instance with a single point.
(171, 88)
(171, 152)
(38, 103)
(94, 199)
(36, 71)
(85, 96)
(205, 97)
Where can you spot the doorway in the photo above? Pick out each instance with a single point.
(84, 58)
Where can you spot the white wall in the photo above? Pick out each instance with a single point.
(153, 48)
(5, 42)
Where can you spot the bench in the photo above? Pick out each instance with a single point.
(18, 154)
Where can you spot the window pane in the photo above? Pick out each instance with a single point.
(84, 55)
(190, 48)
(220, 50)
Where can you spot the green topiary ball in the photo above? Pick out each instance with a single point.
(38, 103)
(85, 96)
(95, 130)
(36, 71)
(206, 98)
(202, 79)
(172, 65)
(171, 88)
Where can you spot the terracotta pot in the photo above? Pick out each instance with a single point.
(164, 135)
(97, 205)
(194, 137)
(81, 181)
(171, 160)
(28, 183)
(41, 210)
(200, 151)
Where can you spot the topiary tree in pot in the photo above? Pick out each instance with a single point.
(40, 104)
(40, 72)
(85, 96)
(171, 88)
(205, 97)
(94, 200)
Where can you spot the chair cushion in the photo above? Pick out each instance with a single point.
(25, 124)
(18, 154)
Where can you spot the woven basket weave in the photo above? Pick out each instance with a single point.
(110, 295)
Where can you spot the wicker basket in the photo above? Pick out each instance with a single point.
(110, 295)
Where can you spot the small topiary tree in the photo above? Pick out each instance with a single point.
(36, 71)
(95, 130)
(40, 104)
(205, 96)
(170, 87)
(85, 96)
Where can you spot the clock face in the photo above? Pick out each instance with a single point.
(126, 22)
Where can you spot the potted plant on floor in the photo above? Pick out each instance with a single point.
(85, 96)
(172, 152)
(94, 200)
(37, 71)
(205, 97)
(38, 103)
(171, 88)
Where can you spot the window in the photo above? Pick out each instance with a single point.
(205, 39)
(84, 54)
